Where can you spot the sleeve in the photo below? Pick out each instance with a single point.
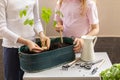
(38, 25)
(4, 31)
(56, 16)
(92, 13)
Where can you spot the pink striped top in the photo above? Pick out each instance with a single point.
(75, 24)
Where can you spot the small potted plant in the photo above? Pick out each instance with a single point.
(112, 73)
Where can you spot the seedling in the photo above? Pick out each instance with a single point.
(23, 14)
(45, 15)
(55, 23)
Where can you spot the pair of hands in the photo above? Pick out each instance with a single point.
(77, 41)
(45, 44)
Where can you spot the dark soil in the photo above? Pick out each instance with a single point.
(58, 45)
(53, 46)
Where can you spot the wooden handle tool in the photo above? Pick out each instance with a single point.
(65, 67)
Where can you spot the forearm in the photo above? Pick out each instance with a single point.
(26, 41)
(94, 30)
(37, 22)
(41, 34)
(23, 41)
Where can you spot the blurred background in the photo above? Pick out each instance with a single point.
(108, 15)
(109, 36)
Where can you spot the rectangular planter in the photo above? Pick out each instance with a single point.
(35, 62)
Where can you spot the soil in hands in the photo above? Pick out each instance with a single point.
(53, 46)
(58, 45)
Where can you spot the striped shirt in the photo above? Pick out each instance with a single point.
(11, 25)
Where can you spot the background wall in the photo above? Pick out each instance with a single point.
(108, 14)
(109, 17)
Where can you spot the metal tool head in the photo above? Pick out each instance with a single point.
(98, 61)
(88, 66)
(65, 67)
(94, 70)
(82, 64)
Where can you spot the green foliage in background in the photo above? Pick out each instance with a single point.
(45, 15)
(27, 21)
(112, 73)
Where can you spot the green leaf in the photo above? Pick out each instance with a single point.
(21, 14)
(112, 73)
(54, 23)
(46, 14)
(24, 12)
(26, 22)
(31, 22)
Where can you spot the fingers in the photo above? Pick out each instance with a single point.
(77, 49)
(78, 45)
(45, 43)
(36, 48)
(48, 43)
(76, 42)
(59, 28)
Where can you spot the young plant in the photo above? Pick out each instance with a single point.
(112, 73)
(58, 12)
(27, 21)
(45, 15)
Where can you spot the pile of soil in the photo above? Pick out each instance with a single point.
(53, 46)
(58, 45)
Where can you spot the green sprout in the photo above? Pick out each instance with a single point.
(45, 15)
(112, 73)
(59, 13)
(23, 13)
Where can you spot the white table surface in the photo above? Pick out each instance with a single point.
(73, 73)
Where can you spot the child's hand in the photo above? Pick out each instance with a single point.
(59, 27)
(78, 44)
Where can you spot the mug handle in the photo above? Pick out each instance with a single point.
(94, 41)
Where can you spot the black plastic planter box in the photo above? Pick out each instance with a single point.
(31, 62)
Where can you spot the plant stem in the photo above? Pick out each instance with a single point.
(61, 36)
(45, 28)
